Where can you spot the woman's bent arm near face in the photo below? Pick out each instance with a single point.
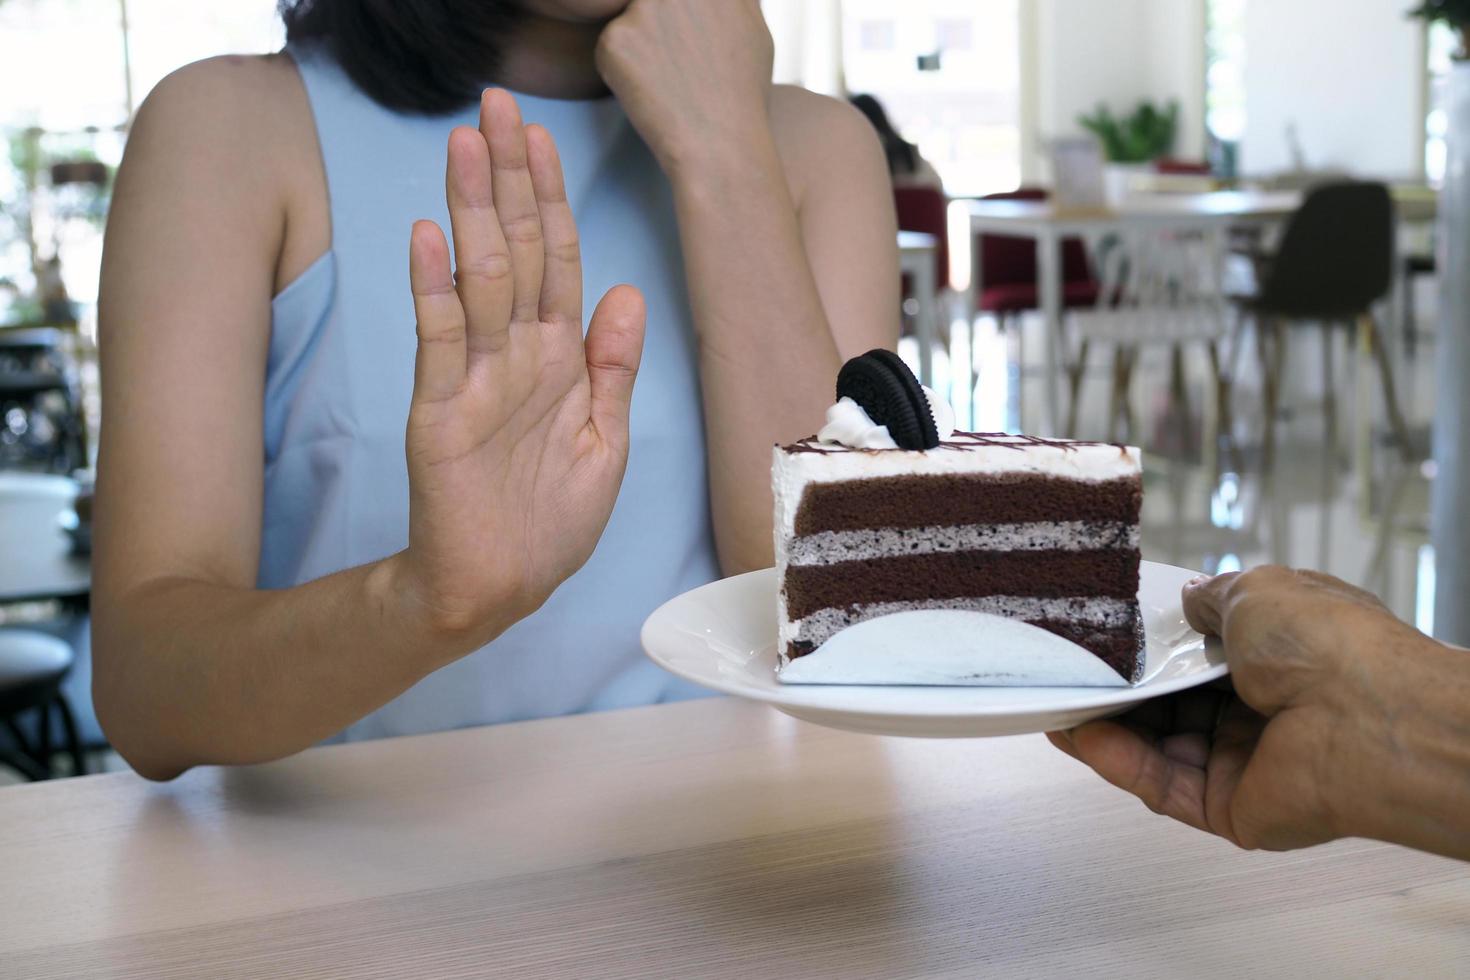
(195, 665)
(789, 238)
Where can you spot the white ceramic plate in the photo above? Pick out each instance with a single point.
(723, 636)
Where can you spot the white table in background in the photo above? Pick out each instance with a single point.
(37, 561)
(918, 252)
(1049, 226)
(707, 839)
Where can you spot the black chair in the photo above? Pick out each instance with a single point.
(41, 415)
(1416, 267)
(1334, 264)
(32, 667)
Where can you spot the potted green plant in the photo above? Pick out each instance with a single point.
(1132, 143)
(1455, 13)
(1143, 136)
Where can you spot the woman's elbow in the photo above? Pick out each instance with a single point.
(131, 738)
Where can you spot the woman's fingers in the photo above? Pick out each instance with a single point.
(515, 199)
(482, 260)
(614, 348)
(561, 286)
(439, 370)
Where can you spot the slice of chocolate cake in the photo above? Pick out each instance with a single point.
(1038, 531)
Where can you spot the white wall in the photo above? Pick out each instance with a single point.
(1350, 75)
(1176, 62)
(1117, 52)
(808, 39)
(1086, 53)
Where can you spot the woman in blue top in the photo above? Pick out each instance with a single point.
(269, 572)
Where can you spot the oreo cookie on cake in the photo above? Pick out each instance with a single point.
(888, 514)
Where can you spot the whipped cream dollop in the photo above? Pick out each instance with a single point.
(849, 425)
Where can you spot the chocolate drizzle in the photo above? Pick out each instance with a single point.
(959, 442)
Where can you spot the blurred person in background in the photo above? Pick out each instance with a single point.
(906, 166)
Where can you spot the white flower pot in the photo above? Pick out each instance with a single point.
(1121, 179)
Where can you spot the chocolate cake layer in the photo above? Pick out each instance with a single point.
(914, 578)
(1093, 612)
(1120, 649)
(926, 501)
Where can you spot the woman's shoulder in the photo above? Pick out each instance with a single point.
(815, 131)
(240, 128)
(232, 97)
(806, 118)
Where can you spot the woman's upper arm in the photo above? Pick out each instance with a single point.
(195, 229)
(845, 202)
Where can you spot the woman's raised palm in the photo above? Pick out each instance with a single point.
(518, 432)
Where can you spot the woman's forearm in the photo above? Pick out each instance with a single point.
(244, 675)
(766, 351)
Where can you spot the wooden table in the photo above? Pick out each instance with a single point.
(36, 558)
(707, 839)
(918, 252)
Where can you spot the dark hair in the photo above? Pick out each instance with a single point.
(423, 56)
(903, 156)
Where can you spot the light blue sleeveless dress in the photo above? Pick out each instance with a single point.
(340, 377)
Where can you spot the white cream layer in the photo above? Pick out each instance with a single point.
(848, 424)
(829, 547)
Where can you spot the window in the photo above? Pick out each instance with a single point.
(963, 108)
(877, 35)
(1443, 43)
(1225, 79)
(73, 71)
(73, 64)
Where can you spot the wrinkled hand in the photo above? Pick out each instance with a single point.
(693, 75)
(518, 431)
(1284, 758)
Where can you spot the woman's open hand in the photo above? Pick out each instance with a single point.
(1331, 729)
(692, 75)
(518, 432)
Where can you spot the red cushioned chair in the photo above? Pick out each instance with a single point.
(1009, 284)
(926, 210)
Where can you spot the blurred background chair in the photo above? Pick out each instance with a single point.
(1007, 272)
(32, 668)
(41, 416)
(1160, 288)
(1415, 267)
(1333, 266)
(1009, 286)
(925, 210)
